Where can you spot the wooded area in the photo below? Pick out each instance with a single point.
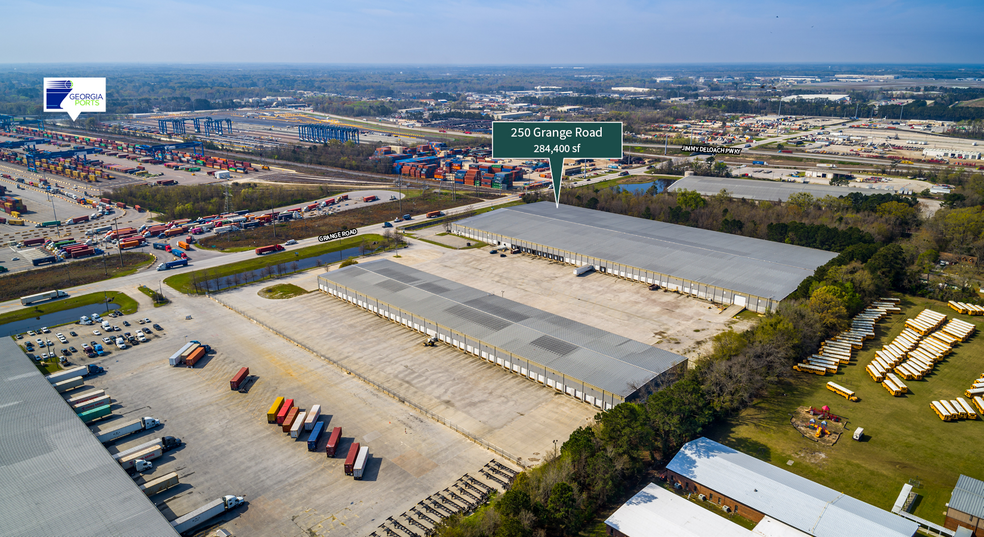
(178, 202)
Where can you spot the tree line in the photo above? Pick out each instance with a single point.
(179, 202)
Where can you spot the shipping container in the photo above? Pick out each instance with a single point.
(193, 358)
(289, 419)
(350, 459)
(284, 409)
(360, 462)
(312, 441)
(298, 425)
(68, 384)
(274, 409)
(155, 486)
(92, 403)
(333, 440)
(238, 379)
(85, 396)
(312, 417)
(148, 454)
(97, 413)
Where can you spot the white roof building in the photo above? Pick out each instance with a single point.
(676, 516)
(796, 501)
(821, 96)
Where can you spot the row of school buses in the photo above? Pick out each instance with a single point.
(967, 309)
(915, 352)
(839, 350)
(957, 409)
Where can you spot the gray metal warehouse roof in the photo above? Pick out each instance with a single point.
(785, 496)
(764, 190)
(607, 361)
(758, 267)
(55, 477)
(968, 496)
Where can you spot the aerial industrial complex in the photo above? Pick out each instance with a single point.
(378, 329)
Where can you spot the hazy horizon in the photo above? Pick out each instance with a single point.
(510, 33)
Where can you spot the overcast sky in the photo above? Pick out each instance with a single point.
(475, 32)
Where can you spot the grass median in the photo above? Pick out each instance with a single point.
(70, 274)
(127, 305)
(904, 439)
(184, 282)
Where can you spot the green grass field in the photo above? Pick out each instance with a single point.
(281, 291)
(127, 305)
(904, 439)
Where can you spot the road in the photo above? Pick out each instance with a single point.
(153, 279)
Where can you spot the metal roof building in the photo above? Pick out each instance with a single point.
(676, 516)
(966, 506)
(719, 267)
(595, 366)
(656, 507)
(55, 477)
(764, 190)
(754, 488)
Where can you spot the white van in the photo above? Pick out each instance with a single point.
(106, 326)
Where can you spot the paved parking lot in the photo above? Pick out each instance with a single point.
(518, 416)
(231, 449)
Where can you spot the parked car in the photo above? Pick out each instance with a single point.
(158, 327)
(146, 321)
(73, 334)
(73, 349)
(45, 330)
(96, 333)
(125, 323)
(107, 341)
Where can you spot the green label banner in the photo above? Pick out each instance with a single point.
(555, 141)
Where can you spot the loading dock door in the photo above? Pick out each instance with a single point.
(741, 301)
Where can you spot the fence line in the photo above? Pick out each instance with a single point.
(395, 395)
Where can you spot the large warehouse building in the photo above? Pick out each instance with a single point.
(767, 190)
(55, 477)
(592, 365)
(719, 267)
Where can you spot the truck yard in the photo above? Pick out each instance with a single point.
(411, 456)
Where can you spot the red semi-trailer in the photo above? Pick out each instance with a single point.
(282, 413)
(238, 379)
(336, 436)
(350, 460)
(269, 249)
